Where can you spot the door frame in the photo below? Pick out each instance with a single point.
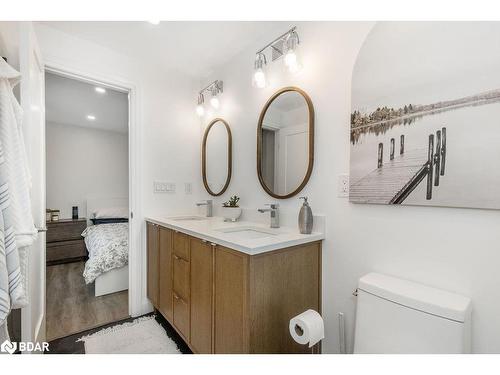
(137, 302)
(33, 315)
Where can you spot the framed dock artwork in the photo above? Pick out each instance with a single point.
(425, 118)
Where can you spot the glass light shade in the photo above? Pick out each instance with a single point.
(259, 78)
(214, 101)
(200, 111)
(292, 61)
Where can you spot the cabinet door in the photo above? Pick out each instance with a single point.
(181, 245)
(181, 296)
(153, 263)
(181, 277)
(201, 295)
(166, 277)
(181, 316)
(231, 316)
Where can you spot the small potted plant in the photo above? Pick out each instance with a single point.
(230, 209)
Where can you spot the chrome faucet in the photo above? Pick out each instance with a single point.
(209, 204)
(275, 214)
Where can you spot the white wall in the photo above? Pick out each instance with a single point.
(453, 249)
(166, 135)
(84, 163)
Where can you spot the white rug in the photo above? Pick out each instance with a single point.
(141, 336)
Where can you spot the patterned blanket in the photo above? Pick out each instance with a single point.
(108, 249)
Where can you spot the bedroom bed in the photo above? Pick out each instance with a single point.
(106, 238)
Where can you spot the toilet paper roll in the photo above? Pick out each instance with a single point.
(307, 327)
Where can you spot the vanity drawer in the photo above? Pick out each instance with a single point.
(181, 245)
(181, 315)
(181, 277)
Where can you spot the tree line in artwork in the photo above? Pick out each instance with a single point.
(386, 114)
(381, 114)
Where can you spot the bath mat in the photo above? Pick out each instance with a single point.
(141, 336)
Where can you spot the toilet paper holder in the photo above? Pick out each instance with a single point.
(298, 330)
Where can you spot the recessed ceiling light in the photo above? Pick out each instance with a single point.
(91, 117)
(100, 90)
(154, 22)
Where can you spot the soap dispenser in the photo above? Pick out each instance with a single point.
(305, 218)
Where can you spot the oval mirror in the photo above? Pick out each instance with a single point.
(217, 157)
(285, 143)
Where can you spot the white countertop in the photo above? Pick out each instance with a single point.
(212, 229)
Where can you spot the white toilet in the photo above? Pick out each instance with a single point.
(399, 316)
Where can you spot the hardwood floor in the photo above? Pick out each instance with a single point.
(70, 345)
(72, 306)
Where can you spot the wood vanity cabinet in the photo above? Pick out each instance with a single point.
(153, 263)
(165, 305)
(224, 301)
(181, 273)
(202, 288)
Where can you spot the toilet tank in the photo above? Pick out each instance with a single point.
(399, 316)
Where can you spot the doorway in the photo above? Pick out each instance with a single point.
(87, 200)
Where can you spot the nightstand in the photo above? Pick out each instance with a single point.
(65, 242)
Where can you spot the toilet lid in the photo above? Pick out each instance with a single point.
(417, 296)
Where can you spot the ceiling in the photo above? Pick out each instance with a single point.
(194, 48)
(289, 101)
(69, 102)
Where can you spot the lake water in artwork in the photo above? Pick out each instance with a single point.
(472, 177)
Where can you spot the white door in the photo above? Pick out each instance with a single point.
(33, 104)
(293, 157)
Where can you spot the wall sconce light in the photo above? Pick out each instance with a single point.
(214, 100)
(200, 110)
(292, 61)
(285, 45)
(215, 88)
(259, 77)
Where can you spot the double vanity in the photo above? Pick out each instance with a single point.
(232, 287)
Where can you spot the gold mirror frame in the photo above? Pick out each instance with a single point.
(311, 141)
(229, 157)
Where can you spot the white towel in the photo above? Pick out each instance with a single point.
(15, 157)
(12, 292)
(17, 230)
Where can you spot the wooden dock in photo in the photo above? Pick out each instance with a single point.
(393, 181)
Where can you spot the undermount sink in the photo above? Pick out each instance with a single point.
(248, 233)
(188, 218)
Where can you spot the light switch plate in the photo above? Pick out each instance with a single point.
(163, 187)
(188, 188)
(343, 186)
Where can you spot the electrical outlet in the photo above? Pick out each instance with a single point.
(343, 186)
(188, 188)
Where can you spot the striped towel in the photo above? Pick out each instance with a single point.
(17, 164)
(16, 221)
(11, 288)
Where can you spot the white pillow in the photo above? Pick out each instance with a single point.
(111, 213)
